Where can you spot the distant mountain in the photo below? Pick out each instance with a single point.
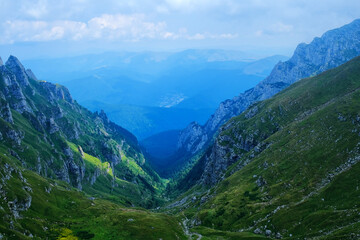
(334, 48)
(158, 148)
(144, 121)
(287, 167)
(191, 83)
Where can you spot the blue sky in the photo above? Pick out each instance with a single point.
(33, 28)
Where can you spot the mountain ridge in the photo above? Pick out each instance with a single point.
(332, 49)
(50, 133)
(287, 167)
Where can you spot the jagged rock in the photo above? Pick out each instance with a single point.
(192, 138)
(41, 118)
(5, 113)
(57, 112)
(13, 92)
(81, 151)
(14, 154)
(53, 127)
(75, 171)
(334, 48)
(341, 117)
(16, 206)
(257, 231)
(110, 154)
(260, 181)
(1, 62)
(104, 117)
(14, 135)
(38, 165)
(267, 232)
(18, 69)
(57, 92)
(95, 176)
(63, 173)
(251, 112)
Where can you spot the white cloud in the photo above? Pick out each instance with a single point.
(106, 27)
(36, 9)
(197, 36)
(216, 23)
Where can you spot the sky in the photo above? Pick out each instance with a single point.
(54, 28)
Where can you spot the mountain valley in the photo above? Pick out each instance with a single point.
(279, 161)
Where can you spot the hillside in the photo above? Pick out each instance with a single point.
(287, 167)
(59, 162)
(46, 131)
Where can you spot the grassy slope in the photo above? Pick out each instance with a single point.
(60, 212)
(310, 138)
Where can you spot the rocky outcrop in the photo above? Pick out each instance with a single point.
(5, 113)
(334, 48)
(13, 92)
(15, 204)
(53, 127)
(57, 92)
(192, 138)
(14, 65)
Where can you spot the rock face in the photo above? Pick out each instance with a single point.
(14, 65)
(42, 128)
(57, 92)
(334, 48)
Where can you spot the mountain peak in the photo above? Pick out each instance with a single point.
(103, 116)
(18, 69)
(1, 62)
(14, 62)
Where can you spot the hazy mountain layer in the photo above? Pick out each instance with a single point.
(151, 92)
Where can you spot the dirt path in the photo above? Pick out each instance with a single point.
(187, 231)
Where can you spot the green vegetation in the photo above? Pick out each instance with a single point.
(300, 177)
(85, 177)
(58, 211)
(66, 173)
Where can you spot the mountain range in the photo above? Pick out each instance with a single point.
(151, 92)
(334, 48)
(279, 161)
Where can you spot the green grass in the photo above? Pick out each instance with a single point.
(309, 131)
(67, 213)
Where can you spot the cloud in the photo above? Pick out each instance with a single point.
(197, 36)
(247, 24)
(105, 27)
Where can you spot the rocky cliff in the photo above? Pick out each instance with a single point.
(45, 130)
(334, 48)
